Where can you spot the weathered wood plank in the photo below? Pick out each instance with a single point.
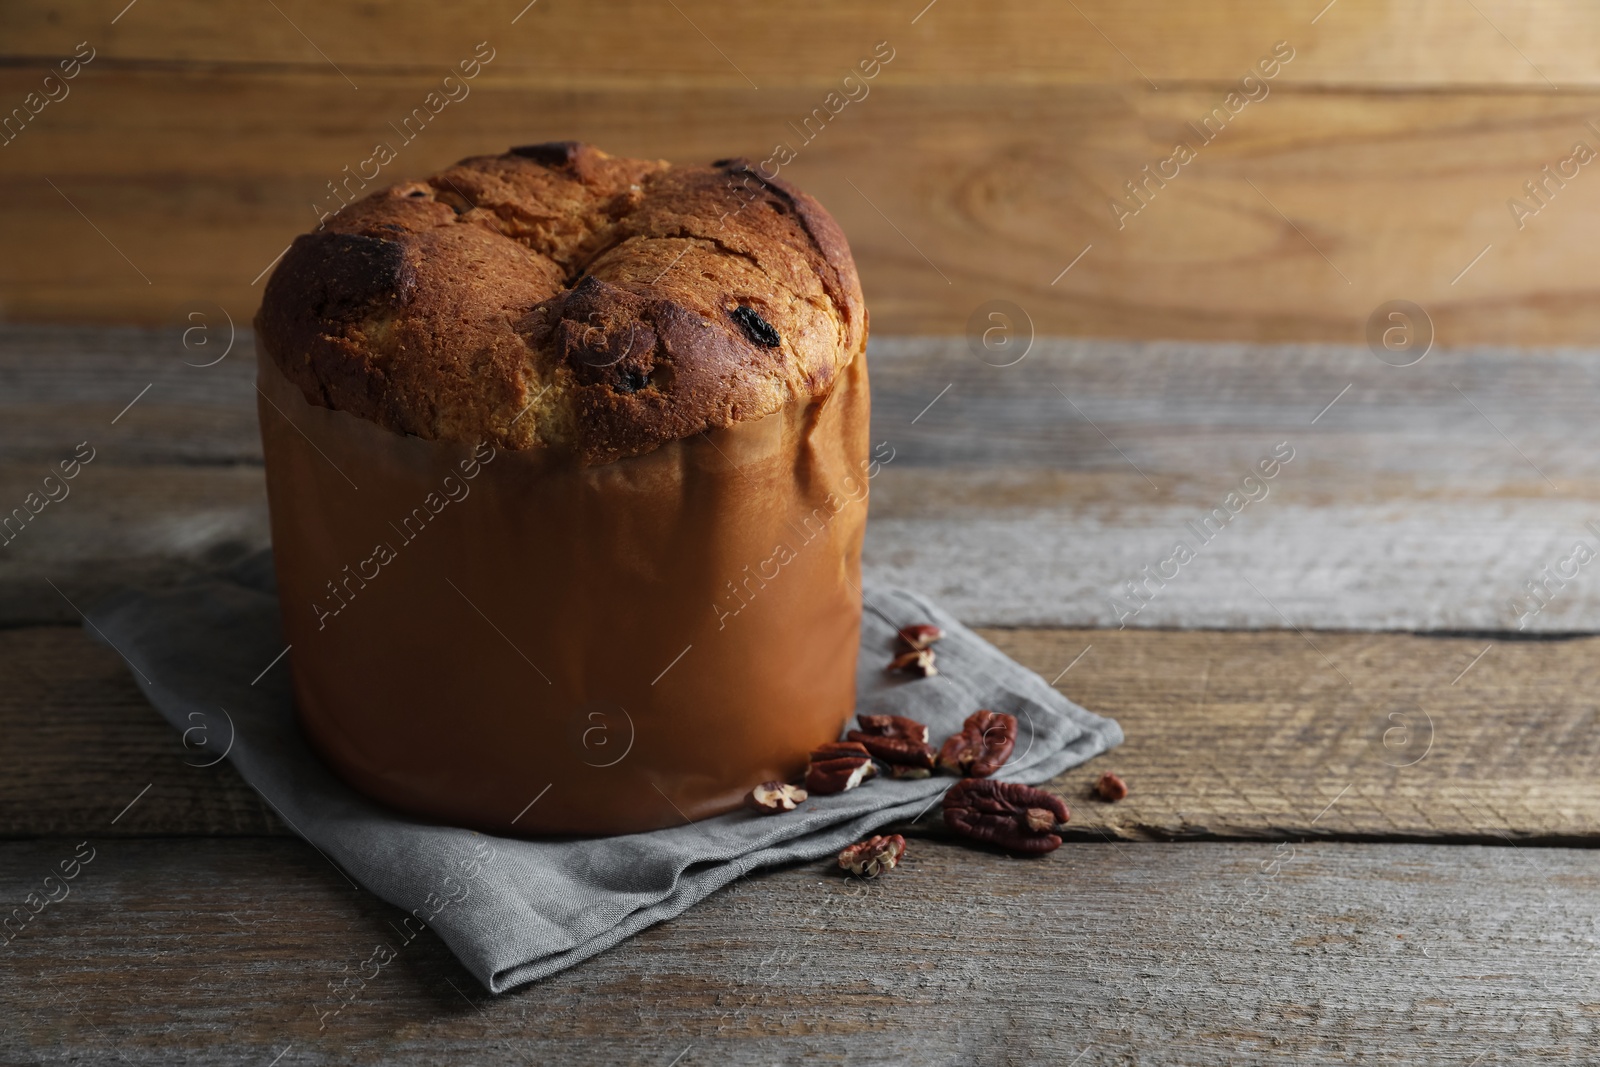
(83, 742)
(1229, 735)
(1366, 736)
(225, 951)
(122, 526)
(179, 393)
(1424, 498)
(1418, 498)
(1308, 211)
(560, 43)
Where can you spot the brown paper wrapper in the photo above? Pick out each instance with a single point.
(509, 642)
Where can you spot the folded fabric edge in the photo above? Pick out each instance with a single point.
(692, 889)
(806, 849)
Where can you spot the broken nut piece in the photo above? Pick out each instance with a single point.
(900, 770)
(1111, 788)
(870, 858)
(918, 661)
(1011, 815)
(837, 775)
(920, 636)
(770, 798)
(982, 747)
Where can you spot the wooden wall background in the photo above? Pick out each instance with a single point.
(190, 150)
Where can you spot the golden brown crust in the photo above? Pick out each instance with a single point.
(559, 298)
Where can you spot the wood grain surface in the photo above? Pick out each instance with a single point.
(229, 952)
(1419, 498)
(1273, 736)
(559, 43)
(984, 159)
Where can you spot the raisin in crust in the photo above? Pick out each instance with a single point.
(557, 298)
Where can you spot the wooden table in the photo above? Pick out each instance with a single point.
(1363, 800)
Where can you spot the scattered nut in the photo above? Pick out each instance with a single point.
(982, 747)
(894, 739)
(1111, 787)
(769, 798)
(838, 750)
(920, 636)
(896, 751)
(900, 770)
(893, 726)
(1009, 814)
(836, 775)
(870, 858)
(917, 661)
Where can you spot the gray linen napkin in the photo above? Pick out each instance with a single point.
(514, 911)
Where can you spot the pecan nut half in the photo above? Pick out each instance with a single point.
(836, 775)
(770, 798)
(897, 751)
(1009, 814)
(870, 858)
(893, 726)
(983, 745)
(1111, 787)
(894, 739)
(917, 661)
(918, 637)
(837, 750)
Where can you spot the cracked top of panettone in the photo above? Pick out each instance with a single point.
(559, 298)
